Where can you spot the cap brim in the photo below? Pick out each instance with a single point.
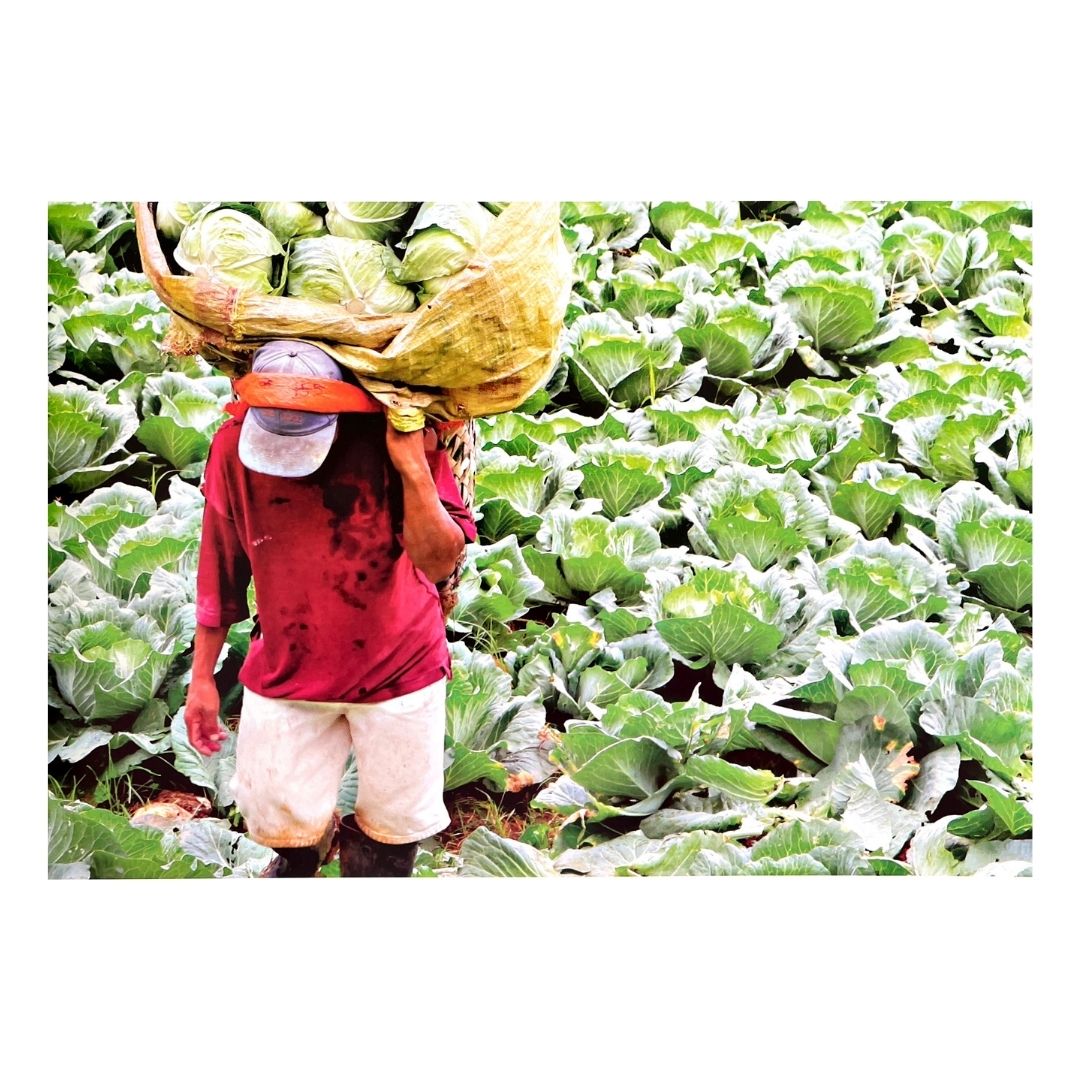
(284, 455)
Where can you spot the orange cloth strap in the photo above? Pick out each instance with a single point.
(305, 393)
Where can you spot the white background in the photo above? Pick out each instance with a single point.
(673, 977)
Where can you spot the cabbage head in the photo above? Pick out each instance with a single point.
(171, 217)
(442, 239)
(288, 219)
(231, 246)
(366, 220)
(337, 270)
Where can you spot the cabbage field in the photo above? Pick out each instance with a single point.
(752, 593)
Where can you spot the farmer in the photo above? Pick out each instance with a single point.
(344, 524)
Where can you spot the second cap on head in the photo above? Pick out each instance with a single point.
(288, 442)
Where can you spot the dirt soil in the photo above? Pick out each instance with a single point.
(506, 813)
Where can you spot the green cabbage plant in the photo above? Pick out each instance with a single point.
(441, 241)
(171, 218)
(366, 220)
(231, 246)
(288, 219)
(85, 431)
(339, 270)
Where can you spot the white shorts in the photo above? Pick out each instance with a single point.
(291, 755)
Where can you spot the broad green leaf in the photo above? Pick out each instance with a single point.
(145, 555)
(619, 488)
(659, 300)
(1020, 480)
(628, 768)
(485, 854)
(761, 542)
(500, 520)
(604, 859)
(1012, 813)
(1003, 312)
(953, 451)
(564, 795)
(725, 356)
(475, 699)
(698, 854)
(866, 757)
(593, 573)
(668, 822)
(213, 772)
(738, 781)
(994, 739)
(916, 647)
(978, 825)
(833, 314)
(104, 672)
(1007, 584)
(466, 766)
(728, 634)
(72, 438)
(927, 403)
(599, 687)
(620, 623)
(889, 867)
(930, 853)
(642, 712)
(110, 847)
(546, 566)
(180, 446)
(791, 866)
(211, 841)
(496, 586)
(938, 774)
(831, 844)
(839, 464)
(880, 824)
(708, 248)
(667, 218)
(817, 733)
(870, 597)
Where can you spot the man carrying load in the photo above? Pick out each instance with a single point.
(345, 525)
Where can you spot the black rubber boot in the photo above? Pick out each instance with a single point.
(304, 861)
(294, 862)
(363, 857)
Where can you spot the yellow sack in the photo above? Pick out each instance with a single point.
(481, 346)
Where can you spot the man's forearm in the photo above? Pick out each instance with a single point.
(209, 641)
(433, 540)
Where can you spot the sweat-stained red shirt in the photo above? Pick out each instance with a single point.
(343, 615)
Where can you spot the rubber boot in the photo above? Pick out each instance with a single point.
(304, 861)
(294, 862)
(363, 857)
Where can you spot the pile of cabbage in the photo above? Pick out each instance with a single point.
(376, 257)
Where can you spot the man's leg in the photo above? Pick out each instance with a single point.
(290, 756)
(363, 857)
(399, 762)
(304, 861)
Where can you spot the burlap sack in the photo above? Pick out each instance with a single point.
(481, 346)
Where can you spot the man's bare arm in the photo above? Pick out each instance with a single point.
(432, 538)
(203, 701)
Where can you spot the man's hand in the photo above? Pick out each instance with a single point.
(201, 714)
(407, 449)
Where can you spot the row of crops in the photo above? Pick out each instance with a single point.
(753, 587)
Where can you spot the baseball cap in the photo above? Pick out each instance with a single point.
(288, 442)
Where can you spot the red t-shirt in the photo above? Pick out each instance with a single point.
(343, 615)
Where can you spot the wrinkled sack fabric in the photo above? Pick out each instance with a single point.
(479, 347)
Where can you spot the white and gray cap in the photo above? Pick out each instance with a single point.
(288, 442)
